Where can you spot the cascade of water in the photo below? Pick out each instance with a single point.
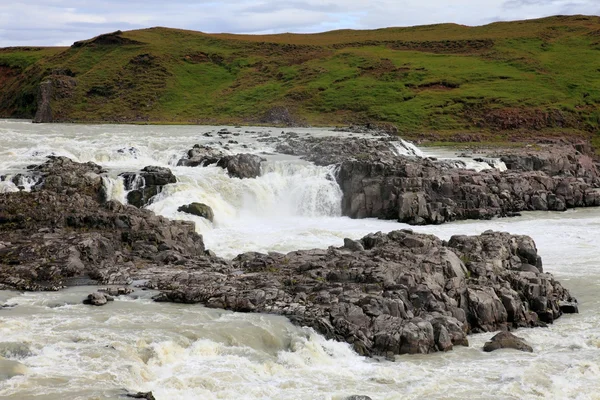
(114, 188)
(404, 148)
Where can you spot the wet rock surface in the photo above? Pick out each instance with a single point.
(147, 183)
(198, 209)
(243, 166)
(506, 340)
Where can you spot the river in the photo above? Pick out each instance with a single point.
(70, 351)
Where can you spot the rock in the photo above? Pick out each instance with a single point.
(64, 176)
(142, 395)
(568, 307)
(57, 239)
(243, 166)
(280, 115)
(198, 209)
(402, 293)
(506, 340)
(353, 245)
(146, 184)
(97, 299)
(59, 85)
(357, 397)
(201, 156)
(43, 113)
(376, 182)
(237, 166)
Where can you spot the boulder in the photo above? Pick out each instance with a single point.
(201, 156)
(506, 340)
(97, 299)
(147, 183)
(198, 209)
(243, 166)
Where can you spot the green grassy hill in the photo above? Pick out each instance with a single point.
(510, 78)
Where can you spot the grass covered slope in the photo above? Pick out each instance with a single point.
(527, 76)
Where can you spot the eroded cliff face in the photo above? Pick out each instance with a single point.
(59, 85)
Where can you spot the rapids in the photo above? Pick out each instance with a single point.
(65, 350)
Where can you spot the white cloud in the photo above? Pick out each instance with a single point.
(51, 22)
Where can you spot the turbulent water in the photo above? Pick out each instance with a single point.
(66, 350)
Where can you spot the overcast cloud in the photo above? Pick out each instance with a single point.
(61, 22)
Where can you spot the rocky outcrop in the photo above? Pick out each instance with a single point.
(59, 85)
(201, 156)
(335, 150)
(50, 240)
(141, 395)
(144, 185)
(506, 340)
(198, 209)
(280, 115)
(64, 176)
(421, 192)
(243, 166)
(555, 160)
(377, 182)
(386, 294)
(43, 113)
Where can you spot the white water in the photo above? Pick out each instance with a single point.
(189, 352)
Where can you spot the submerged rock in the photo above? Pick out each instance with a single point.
(198, 209)
(506, 340)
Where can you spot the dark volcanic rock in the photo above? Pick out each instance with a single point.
(419, 191)
(97, 299)
(50, 239)
(201, 156)
(64, 176)
(243, 166)
(198, 209)
(237, 166)
(506, 340)
(378, 183)
(335, 150)
(401, 293)
(146, 184)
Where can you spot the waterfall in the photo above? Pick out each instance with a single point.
(404, 148)
(114, 188)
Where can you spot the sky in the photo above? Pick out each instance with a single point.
(62, 22)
